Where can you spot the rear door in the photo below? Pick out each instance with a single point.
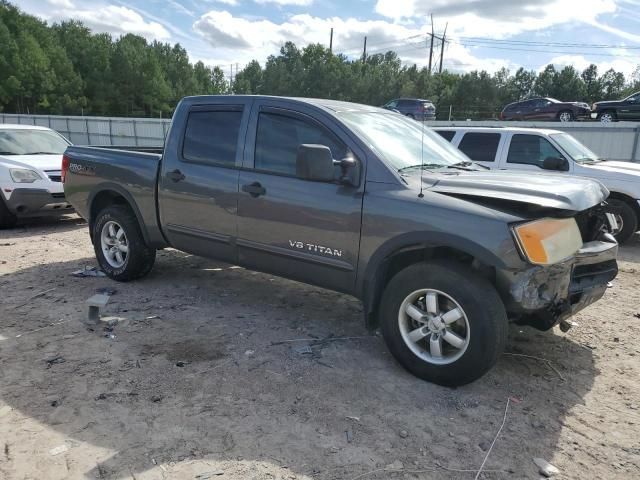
(309, 231)
(630, 110)
(198, 184)
(481, 147)
(528, 152)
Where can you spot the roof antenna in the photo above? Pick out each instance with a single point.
(420, 195)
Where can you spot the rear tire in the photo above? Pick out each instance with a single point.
(626, 215)
(124, 255)
(7, 219)
(566, 116)
(607, 116)
(480, 330)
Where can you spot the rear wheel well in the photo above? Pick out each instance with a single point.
(105, 199)
(401, 259)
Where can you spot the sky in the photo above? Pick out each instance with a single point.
(481, 34)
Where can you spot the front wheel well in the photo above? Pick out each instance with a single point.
(627, 199)
(401, 259)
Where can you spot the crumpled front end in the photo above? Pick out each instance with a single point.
(542, 296)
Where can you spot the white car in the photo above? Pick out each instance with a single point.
(30, 163)
(540, 150)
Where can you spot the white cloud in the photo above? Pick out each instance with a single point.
(579, 62)
(303, 3)
(232, 3)
(178, 7)
(119, 21)
(61, 3)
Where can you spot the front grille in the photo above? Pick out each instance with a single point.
(587, 276)
(54, 175)
(58, 195)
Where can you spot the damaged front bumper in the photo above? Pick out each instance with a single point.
(542, 296)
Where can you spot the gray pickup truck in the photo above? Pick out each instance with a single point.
(442, 252)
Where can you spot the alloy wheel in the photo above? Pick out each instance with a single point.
(114, 244)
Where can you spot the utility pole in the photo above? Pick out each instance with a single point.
(444, 36)
(364, 54)
(331, 41)
(431, 49)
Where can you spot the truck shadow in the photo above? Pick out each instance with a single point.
(193, 375)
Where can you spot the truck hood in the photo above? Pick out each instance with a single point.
(39, 162)
(608, 103)
(616, 168)
(544, 190)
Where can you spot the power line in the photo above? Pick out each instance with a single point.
(547, 44)
(495, 47)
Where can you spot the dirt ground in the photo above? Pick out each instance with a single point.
(192, 383)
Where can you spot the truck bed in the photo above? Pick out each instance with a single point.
(129, 171)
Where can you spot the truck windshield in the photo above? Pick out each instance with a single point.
(399, 141)
(574, 148)
(31, 142)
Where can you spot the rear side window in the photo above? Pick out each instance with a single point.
(446, 134)
(530, 150)
(480, 147)
(279, 136)
(406, 103)
(211, 137)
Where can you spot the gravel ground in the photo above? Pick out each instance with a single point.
(192, 381)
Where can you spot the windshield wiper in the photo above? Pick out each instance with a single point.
(426, 166)
(465, 165)
(42, 153)
(8, 153)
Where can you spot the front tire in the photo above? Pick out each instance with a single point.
(626, 217)
(607, 117)
(7, 219)
(443, 323)
(119, 245)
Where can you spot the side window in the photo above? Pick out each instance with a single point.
(211, 137)
(279, 136)
(480, 147)
(530, 150)
(392, 104)
(446, 134)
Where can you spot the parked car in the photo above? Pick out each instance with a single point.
(415, 108)
(30, 160)
(613, 110)
(546, 109)
(539, 150)
(441, 251)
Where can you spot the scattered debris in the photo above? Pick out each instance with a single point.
(250, 353)
(403, 434)
(58, 450)
(5, 410)
(207, 475)
(318, 341)
(355, 419)
(548, 362)
(95, 303)
(397, 465)
(7, 244)
(152, 317)
(106, 291)
(349, 434)
(42, 328)
(156, 398)
(637, 315)
(304, 350)
(54, 361)
(545, 468)
(88, 272)
(182, 363)
(55, 403)
(486, 457)
(39, 294)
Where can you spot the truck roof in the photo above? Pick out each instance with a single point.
(15, 126)
(498, 128)
(333, 106)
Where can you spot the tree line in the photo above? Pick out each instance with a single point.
(64, 68)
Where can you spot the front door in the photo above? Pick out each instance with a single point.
(299, 229)
(198, 185)
(630, 110)
(528, 152)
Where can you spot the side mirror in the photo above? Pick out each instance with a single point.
(556, 163)
(315, 163)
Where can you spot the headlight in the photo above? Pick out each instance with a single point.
(550, 240)
(22, 175)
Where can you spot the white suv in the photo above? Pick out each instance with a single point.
(30, 163)
(542, 150)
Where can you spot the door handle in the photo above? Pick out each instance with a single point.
(254, 189)
(176, 175)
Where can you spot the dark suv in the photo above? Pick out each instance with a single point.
(612, 110)
(415, 108)
(546, 109)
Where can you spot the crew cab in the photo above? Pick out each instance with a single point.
(613, 110)
(30, 173)
(553, 151)
(360, 200)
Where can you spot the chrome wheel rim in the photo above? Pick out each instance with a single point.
(565, 117)
(620, 223)
(606, 118)
(434, 326)
(114, 244)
